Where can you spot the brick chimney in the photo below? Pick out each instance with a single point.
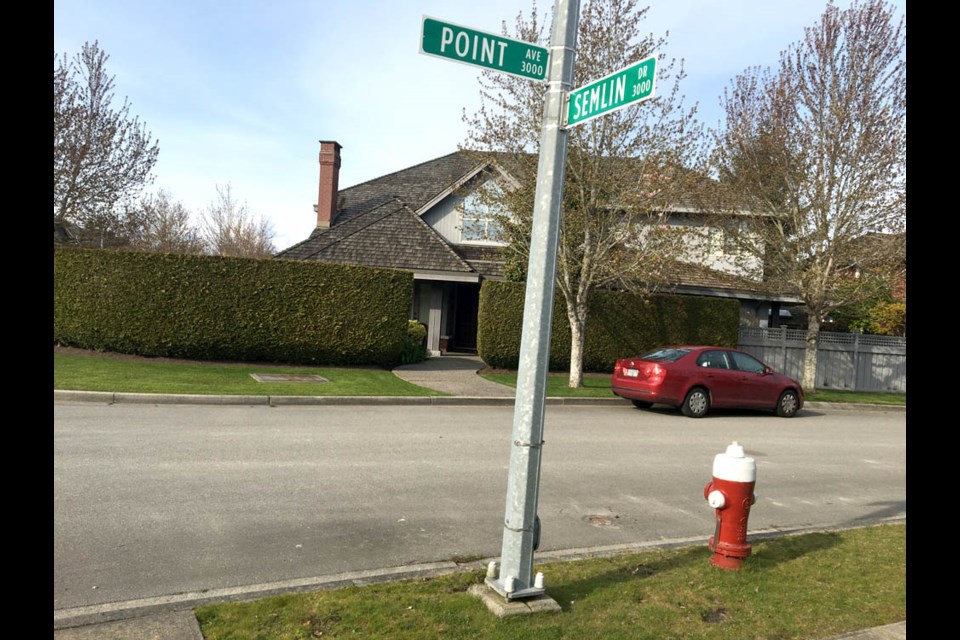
(329, 178)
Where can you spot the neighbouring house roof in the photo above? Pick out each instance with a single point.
(884, 255)
(888, 250)
(693, 278)
(63, 233)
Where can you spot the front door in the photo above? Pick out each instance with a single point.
(465, 324)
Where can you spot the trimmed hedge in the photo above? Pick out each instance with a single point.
(218, 308)
(618, 325)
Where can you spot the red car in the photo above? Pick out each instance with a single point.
(698, 378)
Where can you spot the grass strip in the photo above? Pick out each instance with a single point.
(831, 395)
(82, 372)
(814, 585)
(598, 386)
(89, 373)
(595, 385)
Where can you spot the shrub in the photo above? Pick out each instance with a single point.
(414, 344)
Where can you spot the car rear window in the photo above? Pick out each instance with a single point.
(667, 355)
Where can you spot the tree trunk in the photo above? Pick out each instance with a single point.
(576, 355)
(578, 323)
(809, 381)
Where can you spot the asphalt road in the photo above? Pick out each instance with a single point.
(160, 500)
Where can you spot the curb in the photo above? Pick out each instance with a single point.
(108, 397)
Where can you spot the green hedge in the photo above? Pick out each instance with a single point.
(218, 308)
(618, 325)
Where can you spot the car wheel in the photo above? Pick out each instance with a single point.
(788, 404)
(641, 404)
(696, 403)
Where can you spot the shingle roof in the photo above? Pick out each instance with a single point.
(685, 275)
(376, 223)
(389, 234)
(415, 186)
(487, 261)
(63, 233)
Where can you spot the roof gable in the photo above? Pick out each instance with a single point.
(388, 235)
(417, 186)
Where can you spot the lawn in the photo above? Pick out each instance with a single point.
(91, 373)
(102, 372)
(814, 585)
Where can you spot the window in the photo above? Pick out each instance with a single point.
(747, 363)
(668, 355)
(715, 240)
(731, 244)
(478, 214)
(735, 240)
(714, 360)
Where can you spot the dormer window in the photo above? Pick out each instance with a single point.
(479, 213)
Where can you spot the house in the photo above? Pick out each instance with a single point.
(64, 233)
(419, 220)
(881, 255)
(427, 219)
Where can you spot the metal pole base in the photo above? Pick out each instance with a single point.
(516, 594)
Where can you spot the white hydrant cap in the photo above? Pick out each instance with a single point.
(734, 465)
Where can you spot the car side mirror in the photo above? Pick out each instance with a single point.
(767, 371)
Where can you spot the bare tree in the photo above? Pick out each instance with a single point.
(624, 169)
(816, 150)
(229, 229)
(102, 155)
(160, 224)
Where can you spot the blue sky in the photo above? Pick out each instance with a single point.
(240, 92)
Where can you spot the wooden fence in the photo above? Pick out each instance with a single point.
(847, 361)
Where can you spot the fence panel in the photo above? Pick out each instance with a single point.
(848, 361)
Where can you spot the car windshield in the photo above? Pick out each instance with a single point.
(667, 355)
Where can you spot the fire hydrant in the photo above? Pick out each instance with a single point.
(730, 493)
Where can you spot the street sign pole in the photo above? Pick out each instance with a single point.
(515, 579)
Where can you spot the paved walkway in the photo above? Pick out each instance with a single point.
(453, 374)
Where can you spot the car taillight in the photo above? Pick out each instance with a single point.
(617, 368)
(653, 373)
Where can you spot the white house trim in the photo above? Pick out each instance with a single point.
(446, 276)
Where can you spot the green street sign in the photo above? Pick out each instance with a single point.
(469, 46)
(615, 91)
